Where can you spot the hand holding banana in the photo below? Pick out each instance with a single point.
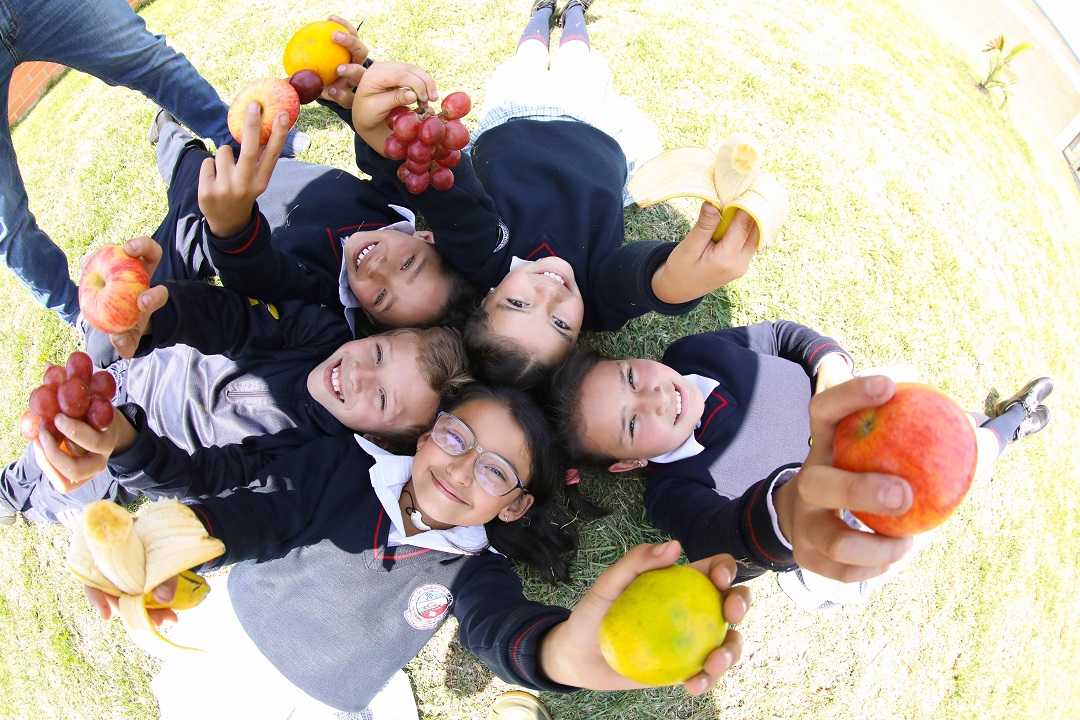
(128, 558)
(729, 179)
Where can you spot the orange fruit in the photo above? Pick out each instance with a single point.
(312, 49)
(661, 629)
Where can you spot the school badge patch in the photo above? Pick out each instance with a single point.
(428, 606)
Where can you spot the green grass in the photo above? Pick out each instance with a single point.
(926, 228)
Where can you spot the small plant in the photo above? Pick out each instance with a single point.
(999, 76)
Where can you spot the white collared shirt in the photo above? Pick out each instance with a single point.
(388, 476)
(345, 294)
(690, 446)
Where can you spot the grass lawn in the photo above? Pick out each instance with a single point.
(926, 228)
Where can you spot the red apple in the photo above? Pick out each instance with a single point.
(920, 435)
(276, 96)
(108, 288)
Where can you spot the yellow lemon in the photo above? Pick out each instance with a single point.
(661, 629)
(312, 49)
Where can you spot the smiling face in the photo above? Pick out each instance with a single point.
(445, 486)
(539, 307)
(637, 409)
(398, 278)
(375, 385)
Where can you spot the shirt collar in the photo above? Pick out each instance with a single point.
(388, 477)
(690, 446)
(345, 294)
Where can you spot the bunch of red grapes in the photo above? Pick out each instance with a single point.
(430, 143)
(74, 390)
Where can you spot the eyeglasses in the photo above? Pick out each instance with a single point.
(493, 473)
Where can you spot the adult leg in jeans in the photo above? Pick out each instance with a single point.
(106, 39)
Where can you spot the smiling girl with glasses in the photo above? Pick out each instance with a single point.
(355, 557)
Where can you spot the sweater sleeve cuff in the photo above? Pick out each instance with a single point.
(781, 479)
(822, 348)
(131, 461)
(656, 257)
(244, 240)
(769, 549)
(523, 653)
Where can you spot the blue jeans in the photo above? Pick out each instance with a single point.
(106, 39)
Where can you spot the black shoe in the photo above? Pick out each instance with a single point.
(544, 5)
(1035, 421)
(1030, 396)
(557, 18)
(163, 116)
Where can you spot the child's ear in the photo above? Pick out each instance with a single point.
(425, 235)
(627, 465)
(516, 509)
(422, 439)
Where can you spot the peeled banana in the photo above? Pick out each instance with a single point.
(129, 558)
(729, 179)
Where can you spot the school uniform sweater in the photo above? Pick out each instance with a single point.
(317, 589)
(291, 248)
(528, 189)
(756, 422)
(532, 189)
(216, 369)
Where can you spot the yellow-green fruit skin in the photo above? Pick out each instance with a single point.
(661, 629)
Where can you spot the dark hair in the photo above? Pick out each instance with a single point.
(564, 391)
(498, 359)
(544, 537)
(455, 312)
(462, 301)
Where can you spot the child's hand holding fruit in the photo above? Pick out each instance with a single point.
(698, 265)
(228, 189)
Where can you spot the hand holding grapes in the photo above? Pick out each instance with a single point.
(343, 89)
(67, 472)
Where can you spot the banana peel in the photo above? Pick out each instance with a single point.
(128, 558)
(729, 178)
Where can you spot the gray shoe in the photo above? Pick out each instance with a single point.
(162, 117)
(7, 517)
(1030, 396)
(1035, 421)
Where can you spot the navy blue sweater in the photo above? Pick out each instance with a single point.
(755, 423)
(216, 369)
(321, 595)
(529, 189)
(533, 189)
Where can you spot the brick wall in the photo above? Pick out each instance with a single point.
(29, 80)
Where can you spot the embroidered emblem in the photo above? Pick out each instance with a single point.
(504, 237)
(428, 606)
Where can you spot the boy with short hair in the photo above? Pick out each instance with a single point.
(215, 368)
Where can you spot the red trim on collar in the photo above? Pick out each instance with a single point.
(395, 556)
(718, 408)
(543, 246)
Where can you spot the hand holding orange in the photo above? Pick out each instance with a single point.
(663, 627)
(312, 48)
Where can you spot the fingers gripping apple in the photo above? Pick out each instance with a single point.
(920, 435)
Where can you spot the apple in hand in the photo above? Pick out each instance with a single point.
(920, 435)
(109, 287)
(276, 96)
